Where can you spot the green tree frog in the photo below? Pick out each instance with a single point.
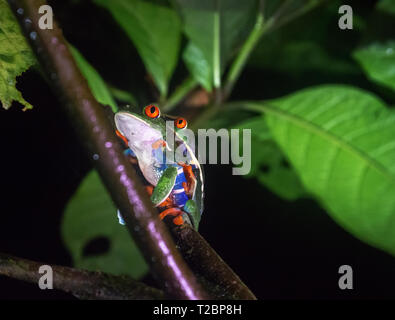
(176, 188)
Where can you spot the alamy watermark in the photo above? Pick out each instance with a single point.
(345, 21)
(46, 280)
(346, 281)
(184, 145)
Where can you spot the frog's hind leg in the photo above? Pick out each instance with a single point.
(164, 187)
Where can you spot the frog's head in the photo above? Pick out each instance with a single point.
(141, 130)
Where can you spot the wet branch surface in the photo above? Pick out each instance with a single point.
(81, 283)
(94, 129)
(204, 261)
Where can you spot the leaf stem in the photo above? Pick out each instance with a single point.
(181, 91)
(237, 66)
(260, 28)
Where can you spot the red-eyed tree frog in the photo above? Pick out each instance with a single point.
(176, 188)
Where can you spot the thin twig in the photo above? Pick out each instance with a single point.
(87, 116)
(80, 283)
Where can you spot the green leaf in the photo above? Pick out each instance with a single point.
(299, 57)
(301, 51)
(341, 142)
(378, 62)
(216, 28)
(155, 30)
(15, 57)
(268, 163)
(95, 82)
(386, 6)
(198, 66)
(91, 215)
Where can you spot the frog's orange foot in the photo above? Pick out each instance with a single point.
(149, 189)
(171, 212)
(178, 220)
(166, 203)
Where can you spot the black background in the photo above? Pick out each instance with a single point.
(281, 250)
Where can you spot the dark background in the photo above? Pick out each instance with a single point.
(282, 250)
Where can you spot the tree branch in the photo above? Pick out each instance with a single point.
(203, 259)
(87, 116)
(120, 179)
(81, 283)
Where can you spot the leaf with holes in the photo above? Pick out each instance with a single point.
(341, 142)
(215, 28)
(15, 57)
(92, 234)
(155, 30)
(95, 81)
(378, 62)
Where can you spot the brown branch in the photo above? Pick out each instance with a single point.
(87, 116)
(203, 259)
(80, 283)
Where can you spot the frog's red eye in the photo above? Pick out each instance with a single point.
(180, 123)
(152, 111)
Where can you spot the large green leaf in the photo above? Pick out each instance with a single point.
(378, 61)
(95, 82)
(341, 142)
(198, 66)
(216, 28)
(91, 215)
(155, 30)
(268, 164)
(15, 57)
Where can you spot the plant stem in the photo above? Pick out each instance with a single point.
(88, 117)
(181, 91)
(260, 28)
(80, 283)
(236, 68)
